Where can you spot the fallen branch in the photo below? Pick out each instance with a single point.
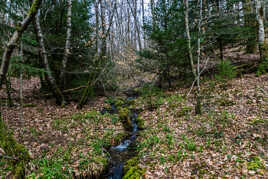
(66, 91)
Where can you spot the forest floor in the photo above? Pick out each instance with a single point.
(229, 139)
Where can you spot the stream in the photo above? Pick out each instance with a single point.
(124, 151)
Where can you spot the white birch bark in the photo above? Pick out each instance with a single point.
(67, 51)
(261, 32)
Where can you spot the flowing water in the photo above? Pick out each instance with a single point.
(122, 152)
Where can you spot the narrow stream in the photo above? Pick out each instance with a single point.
(124, 151)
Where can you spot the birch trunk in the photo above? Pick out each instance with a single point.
(261, 34)
(186, 11)
(198, 99)
(52, 82)
(15, 38)
(67, 51)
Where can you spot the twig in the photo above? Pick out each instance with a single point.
(8, 157)
(196, 78)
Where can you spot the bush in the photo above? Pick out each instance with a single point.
(226, 70)
(263, 67)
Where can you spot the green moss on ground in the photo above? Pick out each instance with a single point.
(140, 122)
(124, 116)
(132, 170)
(17, 153)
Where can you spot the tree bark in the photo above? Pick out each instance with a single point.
(250, 22)
(143, 22)
(67, 51)
(15, 38)
(261, 34)
(198, 99)
(186, 13)
(134, 13)
(96, 6)
(103, 29)
(21, 82)
(52, 82)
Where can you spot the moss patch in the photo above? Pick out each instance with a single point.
(132, 170)
(18, 153)
(140, 122)
(124, 116)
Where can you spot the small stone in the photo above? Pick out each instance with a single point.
(251, 172)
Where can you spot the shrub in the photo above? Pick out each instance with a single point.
(226, 70)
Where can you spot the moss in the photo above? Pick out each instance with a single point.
(14, 150)
(119, 102)
(118, 138)
(255, 163)
(101, 160)
(124, 116)
(140, 123)
(34, 7)
(257, 121)
(132, 170)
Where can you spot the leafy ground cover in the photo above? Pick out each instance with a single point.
(62, 141)
(228, 140)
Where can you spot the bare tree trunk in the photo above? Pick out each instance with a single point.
(153, 13)
(15, 38)
(259, 16)
(186, 11)
(143, 23)
(198, 100)
(56, 91)
(96, 6)
(103, 29)
(134, 13)
(67, 51)
(250, 22)
(21, 78)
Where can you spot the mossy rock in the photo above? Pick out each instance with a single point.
(13, 150)
(132, 170)
(124, 116)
